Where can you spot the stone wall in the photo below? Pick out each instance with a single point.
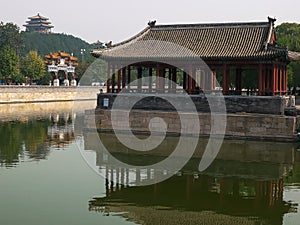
(234, 104)
(239, 125)
(22, 94)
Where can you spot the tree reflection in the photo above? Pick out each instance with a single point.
(32, 138)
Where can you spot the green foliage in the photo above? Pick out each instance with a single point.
(90, 71)
(10, 35)
(32, 66)
(46, 43)
(45, 80)
(294, 74)
(288, 35)
(9, 64)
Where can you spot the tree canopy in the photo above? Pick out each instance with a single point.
(10, 35)
(32, 66)
(9, 64)
(288, 35)
(52, 42)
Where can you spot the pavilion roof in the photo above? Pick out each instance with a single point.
(217, 41)
(38, 25)
(38, 16)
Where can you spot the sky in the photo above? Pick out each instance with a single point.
(116, 21)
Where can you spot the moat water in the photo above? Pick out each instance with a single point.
(45, 178)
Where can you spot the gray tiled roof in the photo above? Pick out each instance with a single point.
(223, 41)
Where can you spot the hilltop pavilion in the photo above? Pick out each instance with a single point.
(229, 50)
(38, 23)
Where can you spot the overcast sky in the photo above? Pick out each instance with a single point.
(94, 20)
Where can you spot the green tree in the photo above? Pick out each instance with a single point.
(46, 43)
(288, 35)
(9, 64)
(10, 35)
(33, 66)
(91, 70)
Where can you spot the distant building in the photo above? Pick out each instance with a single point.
(62, 64)
(38, 23)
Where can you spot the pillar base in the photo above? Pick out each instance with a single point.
(56, 82)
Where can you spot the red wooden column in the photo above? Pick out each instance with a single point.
(214, 80)
(158, 70)
(225, 80)
(285, 79)
(128, 77)
(267, 79)
(150, 79)
(119, 80)
(113, 79)
(174, 78)
(123, 77)
(207, 81)
(162, 80)
(108, 90)
(261, 83)
(184, 83)
(274, 80)
(139, 77)
(170, 80)
(192, 83)
(193, 79)
(238, 81)
(264, 79)
(280, 77)
(269, 76)
(202, 82)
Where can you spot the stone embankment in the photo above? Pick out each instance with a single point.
(31, 94)
(238, 125)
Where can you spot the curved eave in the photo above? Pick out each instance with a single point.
(294, 56)
(140, 34)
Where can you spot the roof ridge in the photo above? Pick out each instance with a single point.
(210, 25)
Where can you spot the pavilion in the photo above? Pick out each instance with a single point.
(63, 65)
(39, 24)
(228, 49)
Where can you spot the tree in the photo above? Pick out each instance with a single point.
(9, 64)
(288, 35)
(91, 70)
(33, 66)
(10, 35)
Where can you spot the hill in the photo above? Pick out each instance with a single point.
(45, 43)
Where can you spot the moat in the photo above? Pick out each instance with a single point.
(45, 178)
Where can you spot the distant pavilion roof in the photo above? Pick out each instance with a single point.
(217, 41)
(38, 16)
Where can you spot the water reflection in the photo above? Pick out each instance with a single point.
(244, 185)
(32, 138)
(61, 131)
(198, 199)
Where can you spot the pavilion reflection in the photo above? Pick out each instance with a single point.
(61, 132)
(244, 185)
